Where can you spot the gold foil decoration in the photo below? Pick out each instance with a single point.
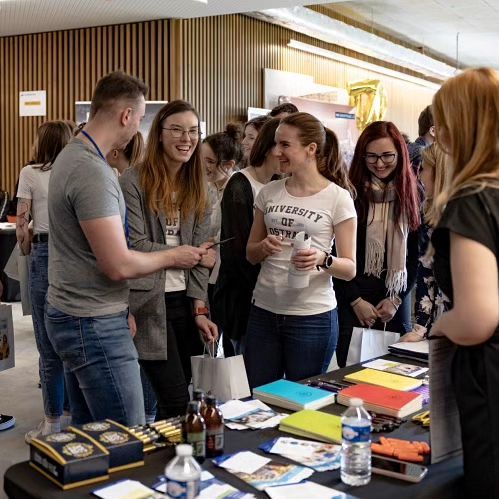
(369, 99)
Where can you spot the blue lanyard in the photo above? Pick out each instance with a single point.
(99, 152)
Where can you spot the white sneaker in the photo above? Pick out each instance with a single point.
(65, 421)
(44, 428)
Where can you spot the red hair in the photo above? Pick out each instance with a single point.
(404, 179)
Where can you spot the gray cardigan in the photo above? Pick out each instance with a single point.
(147, 294)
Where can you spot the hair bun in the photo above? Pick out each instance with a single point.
(234, 131)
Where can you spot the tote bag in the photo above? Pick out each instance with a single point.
(225, 378)
(366, 344)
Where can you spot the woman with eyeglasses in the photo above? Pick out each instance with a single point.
(167, 203)
(387, 207)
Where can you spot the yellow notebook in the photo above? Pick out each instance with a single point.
(388, 380)
(313, 424)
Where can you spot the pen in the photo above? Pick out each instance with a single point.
(223, 241)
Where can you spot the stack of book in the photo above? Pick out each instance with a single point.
(418, 350)
(382, 400)
(385, 379)
(313, 424)
(293, 396)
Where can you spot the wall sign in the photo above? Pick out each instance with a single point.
(33, 103)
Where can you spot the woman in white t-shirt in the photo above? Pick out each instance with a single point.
(32, 193)
(292, 331)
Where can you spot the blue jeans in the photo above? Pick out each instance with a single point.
(293, 346)
(51, 370)
(100, 365)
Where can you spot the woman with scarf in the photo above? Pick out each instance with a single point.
(387, 207)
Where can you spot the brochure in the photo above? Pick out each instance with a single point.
(261, 472)
(316, 455)
(390, 366)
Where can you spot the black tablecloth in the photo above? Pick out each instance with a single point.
(11, 290)
(443, 480)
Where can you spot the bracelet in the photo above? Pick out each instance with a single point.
(358, 300)
(395, 301)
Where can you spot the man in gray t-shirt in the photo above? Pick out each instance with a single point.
(89, 262)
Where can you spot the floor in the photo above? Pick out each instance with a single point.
(19, 394)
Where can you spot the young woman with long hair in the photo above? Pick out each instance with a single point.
(32, 194)
(167, 204)
(466, 244)
(237, 277)
(387, 237)
(293, 331)
(221, 153)
(430, 302)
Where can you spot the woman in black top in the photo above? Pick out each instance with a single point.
(466, 242)
(387, 237)
(237, 277)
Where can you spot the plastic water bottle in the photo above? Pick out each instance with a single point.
(183, 474)
(356, 447)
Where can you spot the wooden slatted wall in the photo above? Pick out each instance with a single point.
(67, 64)
(224, 57)
(216, 63)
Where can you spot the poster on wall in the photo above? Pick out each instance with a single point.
(254, 112)
(33, 103)
(152, 107)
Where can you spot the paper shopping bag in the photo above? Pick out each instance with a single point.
(6, 338)
(366, 344)
(225, 378)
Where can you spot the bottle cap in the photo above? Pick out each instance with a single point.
(355, 402)
(193, 407)
(184, 450)
(211, 400)
(198, 395)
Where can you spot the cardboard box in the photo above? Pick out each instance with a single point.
(70, 458)
(125, 449)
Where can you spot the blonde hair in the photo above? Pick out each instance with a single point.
(156, 181)
(435, 158)
(466, 113)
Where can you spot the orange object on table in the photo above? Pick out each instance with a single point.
(403, 450)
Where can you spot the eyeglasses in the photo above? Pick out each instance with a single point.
(179, 132)
(386, 158)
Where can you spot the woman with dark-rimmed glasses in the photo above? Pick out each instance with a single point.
(387, 207)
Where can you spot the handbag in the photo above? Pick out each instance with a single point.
(225, 377)
(366, 344)
(7, 355)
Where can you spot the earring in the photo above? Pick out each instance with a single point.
(115, 153)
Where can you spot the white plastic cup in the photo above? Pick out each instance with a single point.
(299, 278)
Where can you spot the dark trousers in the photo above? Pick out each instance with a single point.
(170, 378)
(475, 375)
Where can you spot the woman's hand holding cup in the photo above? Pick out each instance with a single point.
(307, 259)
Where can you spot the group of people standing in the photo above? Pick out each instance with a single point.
(136, 284)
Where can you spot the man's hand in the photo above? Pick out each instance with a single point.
(132, 325)
(186, 257)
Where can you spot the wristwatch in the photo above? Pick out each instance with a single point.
(327, 262)
(201, 311)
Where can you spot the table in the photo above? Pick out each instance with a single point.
(444, 480)
(11, 291)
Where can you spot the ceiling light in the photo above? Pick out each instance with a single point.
(311, 49)
(325, 28)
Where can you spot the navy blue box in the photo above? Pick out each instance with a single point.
(70, 458)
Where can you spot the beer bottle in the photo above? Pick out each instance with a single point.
(199, 395)
(214, 428)
(195, 431)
